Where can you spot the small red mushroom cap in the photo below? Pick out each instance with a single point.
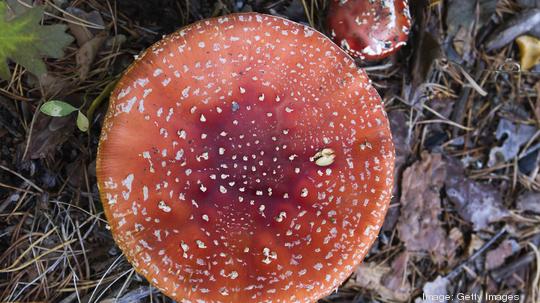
(245, 159)
(369, 29)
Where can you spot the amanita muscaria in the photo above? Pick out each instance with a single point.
(245, 159)
(369, 29)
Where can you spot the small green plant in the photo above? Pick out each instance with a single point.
(55, 108)
(24, 40)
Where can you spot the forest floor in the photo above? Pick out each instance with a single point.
(465, 119)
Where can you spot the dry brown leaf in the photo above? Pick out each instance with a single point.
(419, 225)
(455, 236)
(462, 41)
(434, 290)
(400, 136)
(48, 133)
(3, 132)
(475, 244)
(82, 33)
(529, 201)
(478, 203)
(497, 256)
(514, 135)
(87, 53)
(370, 275)
(51, 85)
(396, 280)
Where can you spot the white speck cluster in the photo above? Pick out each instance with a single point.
(206, 163)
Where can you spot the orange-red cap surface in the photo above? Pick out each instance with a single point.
(245, 159)
(369, 29)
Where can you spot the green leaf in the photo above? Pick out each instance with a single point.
(57, 108)
(25, 41)
(82, 122)
(18, 7)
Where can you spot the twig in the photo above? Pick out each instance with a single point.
(459, 108)
(17, 188)
(479, 252)
(83, 22)
(502, 272)
(473, 82)
(30, 131)
(22, 177)
(519, 25)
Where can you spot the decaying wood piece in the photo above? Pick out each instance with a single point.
(527, 22)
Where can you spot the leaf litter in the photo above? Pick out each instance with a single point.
(477, 203)
(385, 281)
(420, 226)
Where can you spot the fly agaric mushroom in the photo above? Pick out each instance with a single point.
(369, 29)
(245, 159)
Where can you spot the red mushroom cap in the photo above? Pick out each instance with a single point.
(245, 159)
(369, 29)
